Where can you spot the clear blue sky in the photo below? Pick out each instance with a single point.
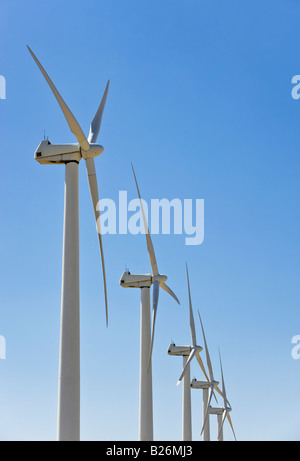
(200, 102)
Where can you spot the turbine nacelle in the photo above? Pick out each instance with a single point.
(140, 280)
(135, 281)
(196, 384)
(60, 154)
(182, 350)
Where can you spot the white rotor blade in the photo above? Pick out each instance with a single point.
(223, 384)
(148, 238)
(96, 122)
(192, 322)
(226, 402)
(207, 353)
(230, 422)
(201, 365)
(222, 423)
(190, 357)
(154, 311)
(165, 287)
(156, 286)
(207, 408)
(227, 415)
(72, 122)
(216, 388)
(92, 179)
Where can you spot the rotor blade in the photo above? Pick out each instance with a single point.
(165, 287)
(201, 365)
(205, 374)
(192, 322)
(207, 408)
(72, 122)
(207, 353)
(96, 122)
(226, 402)
(154, 311)
(92, 179)
(190, 357)
(148, 237)
(223, 383)
(230, 422)
(219, 392)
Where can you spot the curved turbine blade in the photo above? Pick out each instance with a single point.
(154, 311)
(165, 287)
(201, 365)
(219, 392)
(230, 422)
(148, 238)
(222, 423)
(190, 357)
(156, 286)
(207, 353)
(223, 383)
(207, 408)
(92, 179)
(72, 122)
(192, 322)
(96, 122)
(226, 402)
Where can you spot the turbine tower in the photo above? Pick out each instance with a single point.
(187, 353)
(70, 156)
(144, 282)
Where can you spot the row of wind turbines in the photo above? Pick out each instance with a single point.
(68, 425)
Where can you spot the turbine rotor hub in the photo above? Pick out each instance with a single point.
(94, 151)
(159, 278)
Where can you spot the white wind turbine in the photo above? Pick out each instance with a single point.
(187, 353)
(208, 387)
(223, 412)
(213, 384)
(70, 156)
(144, 282)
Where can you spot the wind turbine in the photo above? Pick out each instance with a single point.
(144, 282)
(187, 353)
(223, 412)
(70, 156)
(213, 384)
(208, 387)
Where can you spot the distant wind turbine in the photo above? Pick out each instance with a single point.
(225, 410)
(213, 384)
(187, 353)
(70, 156)
(144, 282)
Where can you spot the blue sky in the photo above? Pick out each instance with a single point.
(200, 102)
